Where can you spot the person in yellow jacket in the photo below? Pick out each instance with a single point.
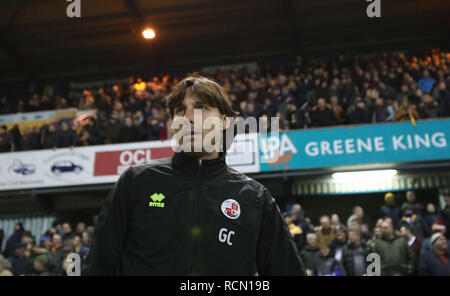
(296, 231)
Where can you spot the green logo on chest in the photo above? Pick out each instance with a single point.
(156, 200)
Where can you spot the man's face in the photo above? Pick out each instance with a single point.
(386, 229)
(441, 244)
(210, 123)
(325, 222)
(335, 219)
(85, 237)
(38, 265)
(81, 227)
(354, 237)
(26, 239)
(324, 251)
(321, 103)
(411, 197)
(340, 236)
(377, 232)
(390, 200)
(56, 239)
(403, 231)
(359, 212)
(312, 241)
(66, 228)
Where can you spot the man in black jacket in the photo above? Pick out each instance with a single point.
(354, 254)
(191, 214)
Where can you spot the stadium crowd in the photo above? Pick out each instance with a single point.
(396, 87)
(411, 239)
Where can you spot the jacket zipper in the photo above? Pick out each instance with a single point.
(196, 192)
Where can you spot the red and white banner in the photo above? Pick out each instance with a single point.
(102, 164)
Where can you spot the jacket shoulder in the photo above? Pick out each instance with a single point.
(235, 175)
(162, 164)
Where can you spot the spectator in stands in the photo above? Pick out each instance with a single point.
(338, 110)
(16, 138)
(80, 228)
(322, 115)
(406, 111)
(415, 221)
(426, 83)
(335, 221)
(445, 215)
(431, 216)
(40, 265)
(85, 244)
(377, 232)
(14, 239)
(358, 214)
(354, 254)
(30, 140)
(49, 136)
(310, 254)
(67, 232)
(5, 141)
(325, 233)
(296, 232)
(411, 200)
(61, 103)
(299, 219)
(390, 209)
(428, 108)
(396, 257)
(87, 101)
(327, 265)
(33, 104)
(66, 136)
(104, 103)
(404, 92)
(414, 242)
(359, 114)
(4, 106)
(5, 267)
(381, 113)
(20, 264)
(113, 131)
(128, 132)
(337, 245)
(56, 252)
(435, 261)
(28, 242)
(46, 103)
(95, 133)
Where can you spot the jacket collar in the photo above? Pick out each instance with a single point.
(192, 166)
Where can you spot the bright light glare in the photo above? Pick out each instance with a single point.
(148, 34)
(368, 176)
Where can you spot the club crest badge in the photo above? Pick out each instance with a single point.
(231, 209)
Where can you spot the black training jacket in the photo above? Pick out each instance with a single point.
(183, 216)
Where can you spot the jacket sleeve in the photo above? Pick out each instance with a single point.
(108, 240)
(276, 251)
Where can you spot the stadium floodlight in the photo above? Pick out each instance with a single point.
(365, 175)
(148, 33)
